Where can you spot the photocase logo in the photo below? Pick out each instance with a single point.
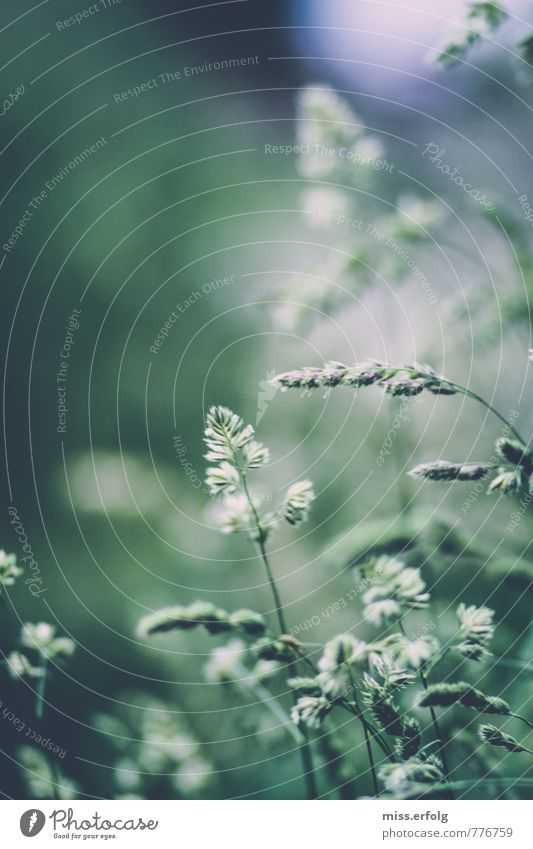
(32, 822)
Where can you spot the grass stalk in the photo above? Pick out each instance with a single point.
(304, 748)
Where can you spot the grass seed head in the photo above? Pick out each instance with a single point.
(492, 735)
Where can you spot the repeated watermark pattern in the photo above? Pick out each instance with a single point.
(184, 305)
(35, 581)
(12, 99)
(30, 734)
(64, 366)
(347, 154)
(516, 515)
(83, 15)
(182, 453)
(436, 154)
(526, 208)
(400, 417)
(50, 185)
(339, 604)
(393, 245)
(184, 73)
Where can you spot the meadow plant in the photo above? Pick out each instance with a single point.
(479, 21)
(347, 174)
(234, 451)
(167, 758)
(42, 777)
(389, 684)
(38, 653)
(511, 467)
(9, 571)
(482, 21)
(345, 166)
(396, 588)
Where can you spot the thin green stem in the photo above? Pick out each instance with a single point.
(273, 587)
(304, 748)
(469, 393)
(349, 706)
(260, 545)
(333, 760)
(268, 699)
(56, 784)
(475, 397)
(441, 654)
(434, 720)
(41, 685)
(427, 746)
(371, 760)
(438, 733)
(308, 766)
(522, 719)
(368, 742)
(509, 662)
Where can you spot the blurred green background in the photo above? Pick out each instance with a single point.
(182, 194)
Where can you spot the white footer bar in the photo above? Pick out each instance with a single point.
(268, 824)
